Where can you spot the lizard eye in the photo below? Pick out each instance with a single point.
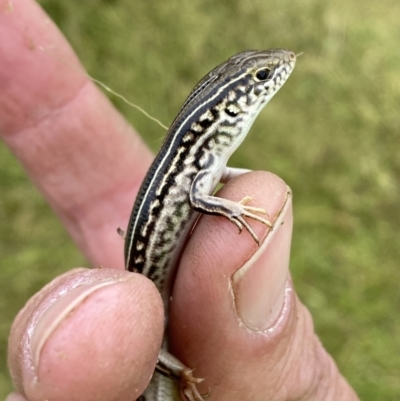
(264, 74)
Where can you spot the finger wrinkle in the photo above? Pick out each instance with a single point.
(80, 210)
(85, 214)
(36, 120)
(106, 247)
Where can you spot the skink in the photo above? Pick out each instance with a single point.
(212, 123)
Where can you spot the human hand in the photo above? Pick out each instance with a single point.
(95, 334)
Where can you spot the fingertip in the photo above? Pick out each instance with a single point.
(15, 397)
(216, 255)
(104, 343)
(230, 291)
(259, 285)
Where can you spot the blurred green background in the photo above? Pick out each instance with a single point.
(332, 134)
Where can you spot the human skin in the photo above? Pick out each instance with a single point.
(95, 334)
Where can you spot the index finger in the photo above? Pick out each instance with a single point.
(84, 157)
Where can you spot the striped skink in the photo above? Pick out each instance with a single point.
(211, 124)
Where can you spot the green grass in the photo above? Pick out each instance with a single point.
(332, 134)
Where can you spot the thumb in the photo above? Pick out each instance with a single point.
(235, 316)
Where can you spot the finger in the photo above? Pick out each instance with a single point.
(88, 335)
(15, 397)
(74, 145)
(236, 318)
